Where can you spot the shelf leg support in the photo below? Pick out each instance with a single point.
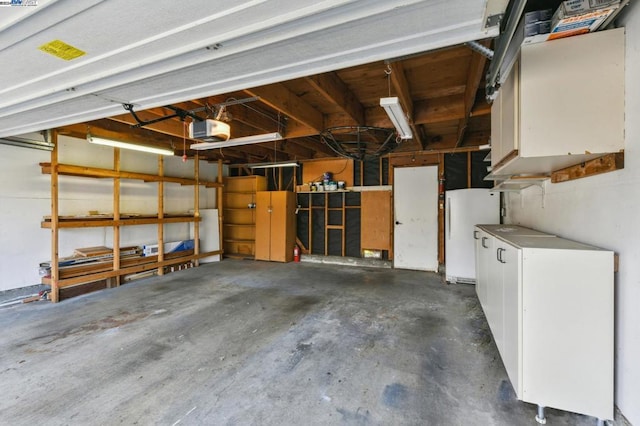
(196, 208)
(540, 417)
(160, 270)
(55, 269)
(116, 219)
(219, 198)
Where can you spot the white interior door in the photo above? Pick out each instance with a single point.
(415, 243)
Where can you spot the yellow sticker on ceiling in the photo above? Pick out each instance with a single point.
(62, 50)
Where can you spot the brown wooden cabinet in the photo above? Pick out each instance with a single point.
(275, 225)
(240, 215)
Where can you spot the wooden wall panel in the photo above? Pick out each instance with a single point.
(376, 220)
(341, 169)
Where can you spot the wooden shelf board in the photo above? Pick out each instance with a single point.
(239, 240)
(87, 222)
(95, 172)
(253, 225)
(335, 227)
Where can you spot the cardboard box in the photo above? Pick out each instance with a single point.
(575, 17)
(534, 27)
(537, 16)
(172, 247)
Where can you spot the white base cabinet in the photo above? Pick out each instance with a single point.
(550, 305)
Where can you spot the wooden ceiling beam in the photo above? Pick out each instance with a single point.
(401, 86)
(474, 77)
(298, 130)
(315, 143)
(295, 150)
(254, 120)
(332, 88)
(169, 127)
(278, 97)
(439, 110)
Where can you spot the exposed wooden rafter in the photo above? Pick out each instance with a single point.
(474, 77)
(278, 97)
(336, 91)
(401, 86)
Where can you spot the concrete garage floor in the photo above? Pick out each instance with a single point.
(259, 343)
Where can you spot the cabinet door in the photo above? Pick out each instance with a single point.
(263, 226)
(505, 118)
(282, 203)
(511, 258)
(495, 293)
(482, 266)
(573, 94)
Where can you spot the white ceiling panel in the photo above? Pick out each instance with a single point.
(152, 53)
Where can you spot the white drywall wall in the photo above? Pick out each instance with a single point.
(603, 211)
(25, 197)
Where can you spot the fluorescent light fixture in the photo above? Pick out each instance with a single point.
(125, 145)
(398, 117)
(267, 137)
(272, 165)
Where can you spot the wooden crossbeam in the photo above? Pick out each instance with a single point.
(278, 97)
(336, 91)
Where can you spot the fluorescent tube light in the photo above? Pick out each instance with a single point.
(398, 117)
(267, 137)
(125, 145)
(272, 165)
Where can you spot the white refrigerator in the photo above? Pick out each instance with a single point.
(464, 209)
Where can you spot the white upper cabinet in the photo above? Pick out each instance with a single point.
(562, 104)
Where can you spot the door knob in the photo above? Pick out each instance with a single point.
(398, 222)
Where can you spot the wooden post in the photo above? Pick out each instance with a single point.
(344, 224)
(441, 210)
(55, 291)
(160, 214)
(116, 218)
(310, 242)
(220, 207)
(468, 169)
(326, 223)
(196, 208)
(295, 182)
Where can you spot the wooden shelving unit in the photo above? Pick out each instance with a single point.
(327, 210)
(239, 215)
(117, 268)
